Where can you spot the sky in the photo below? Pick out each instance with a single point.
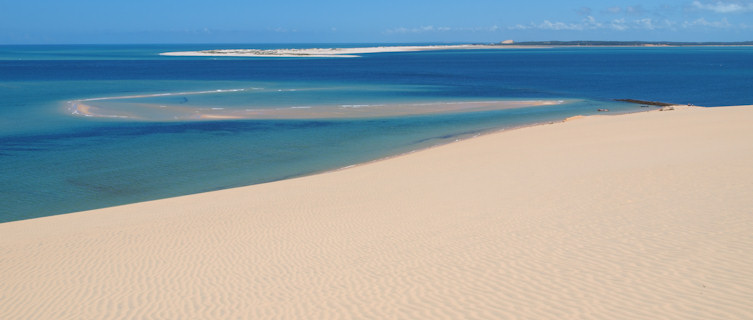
(374, 21)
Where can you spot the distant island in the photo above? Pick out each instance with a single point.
(507, 44)
(322, 52)
(622, 43)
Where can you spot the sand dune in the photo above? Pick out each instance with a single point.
(641, 216)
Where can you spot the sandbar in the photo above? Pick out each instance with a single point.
(140, 111)
(330, 52)
(638, 216)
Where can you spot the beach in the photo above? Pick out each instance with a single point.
(331, 52)
(638, 216)
(353, 52)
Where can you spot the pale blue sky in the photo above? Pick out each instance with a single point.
(192, 21)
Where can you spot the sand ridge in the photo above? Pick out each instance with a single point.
(639, 216)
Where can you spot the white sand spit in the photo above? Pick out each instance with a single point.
(330, 52)
(640, 216)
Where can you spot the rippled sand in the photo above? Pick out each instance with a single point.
(639, 216)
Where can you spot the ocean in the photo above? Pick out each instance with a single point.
(141, 141)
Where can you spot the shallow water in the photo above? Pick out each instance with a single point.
(53, 161)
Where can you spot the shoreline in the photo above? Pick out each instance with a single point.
(77, 108)
(469, 136)
(635, 216)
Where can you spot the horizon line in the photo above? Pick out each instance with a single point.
(383, 42)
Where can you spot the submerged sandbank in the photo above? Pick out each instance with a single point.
(134, 108)
(639, 216)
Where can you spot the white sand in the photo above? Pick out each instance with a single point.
(642, 216)
(329, 52)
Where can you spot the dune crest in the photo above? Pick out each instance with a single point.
(639, 216)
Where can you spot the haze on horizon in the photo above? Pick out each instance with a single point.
(387, 21)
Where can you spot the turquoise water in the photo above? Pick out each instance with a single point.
(53, 161)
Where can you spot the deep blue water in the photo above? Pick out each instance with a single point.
(52, 162)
